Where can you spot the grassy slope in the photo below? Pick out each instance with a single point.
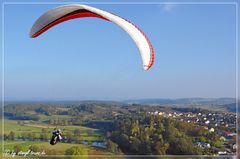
(25, 144)
(58, 149)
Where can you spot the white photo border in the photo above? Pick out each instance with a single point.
(127, 3)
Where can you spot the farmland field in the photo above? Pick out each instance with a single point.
(12, 125)
(36, 128)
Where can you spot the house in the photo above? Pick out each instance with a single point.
(222, 152)
(222, 138)
(230, 134)
(205, 127)
(203, 144)
(207, 122)
(211, 130)
(234, 147)
(161, 113)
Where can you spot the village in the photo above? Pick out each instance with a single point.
(220, 123)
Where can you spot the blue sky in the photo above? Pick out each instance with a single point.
(90, 58)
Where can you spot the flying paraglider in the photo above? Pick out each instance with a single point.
(68, 12)
(56, 137)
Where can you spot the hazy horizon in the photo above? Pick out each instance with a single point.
(114, 100)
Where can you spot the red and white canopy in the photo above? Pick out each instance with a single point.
(68, 12)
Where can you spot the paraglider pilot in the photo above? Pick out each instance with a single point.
(56, 136)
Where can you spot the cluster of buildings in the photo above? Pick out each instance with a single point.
(220, 123)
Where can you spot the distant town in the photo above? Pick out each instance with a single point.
(223, 124)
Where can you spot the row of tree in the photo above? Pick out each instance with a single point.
(45, 135)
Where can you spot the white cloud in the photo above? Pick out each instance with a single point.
(168, 7)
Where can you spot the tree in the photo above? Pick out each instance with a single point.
(44, 130)
(76, 150)
(31, 136)
(89, 132)
(77, 132)
(20, 122)
(5, 137)
(151, 127)
(43, 136)
(182, 146)
(135, 128)
(145, 134)
(161, 148)
(112, 147)
(11, 135)
(17, 148)
(34, 148)
(122, 141)
(135, 145)
(145, 148)
(69, 137)
(64, 122)
(217, 143)
(78, 139)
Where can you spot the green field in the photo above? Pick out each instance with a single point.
(12, 125)
(37, 127)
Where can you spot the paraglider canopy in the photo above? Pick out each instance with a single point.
(68, 12)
